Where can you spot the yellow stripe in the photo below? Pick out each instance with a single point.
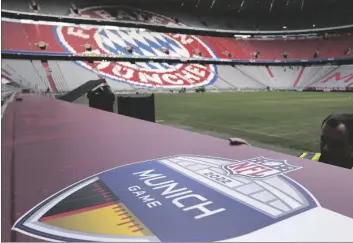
(303, 155)
(310, 156)
(110, 220)
(316, 157)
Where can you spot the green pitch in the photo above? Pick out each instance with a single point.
(286, 122)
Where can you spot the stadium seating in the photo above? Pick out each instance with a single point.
(7, 90)
(230, 20)
(25, 37)
(8, 87)
(62, 76)
(26, 73)
(328, 77)
(68, 75)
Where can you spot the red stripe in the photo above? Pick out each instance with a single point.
(128, 217)
(121, 210)
(299, 77)
(77, 211)
(135, 225)
(269, 72)
(127, 222)
(49, 77)
(137, 230)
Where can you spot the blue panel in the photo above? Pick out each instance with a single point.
(169, 222)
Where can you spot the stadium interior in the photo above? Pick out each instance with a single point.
(303, 46)
(265, 71)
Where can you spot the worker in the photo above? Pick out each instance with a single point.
(336, 141)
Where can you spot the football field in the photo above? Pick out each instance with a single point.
(287, 122)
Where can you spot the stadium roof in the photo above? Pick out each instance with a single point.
(258, 5)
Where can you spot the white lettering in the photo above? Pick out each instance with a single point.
(172, 24)
(189, 77)
(184, 39)
(77, 32)
(156, 20)
(154, 204)
(206, 211)
(146, 198)
(134, 188)
(168, 78)
(124, 72)
(139, 193)
(179, 195)
(102, 65)
(201, 207)
(195, 70)
(150, 78)
(180, 205)
(137, 15)
(146, 174)
(148, 181)
(170, 188)
(103, 14)
(196, 56)
(87, 16)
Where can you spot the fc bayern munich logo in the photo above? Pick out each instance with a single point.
(117, 41)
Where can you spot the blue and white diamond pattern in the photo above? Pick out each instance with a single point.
(145, 43)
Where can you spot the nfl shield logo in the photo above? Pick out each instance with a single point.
(173, 199)
(259, 167)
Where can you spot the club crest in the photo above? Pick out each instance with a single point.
(115, 40)
(172, 199)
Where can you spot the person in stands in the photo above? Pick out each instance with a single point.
(336, 141)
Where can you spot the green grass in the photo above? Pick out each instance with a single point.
(287, 122)
(282, 121)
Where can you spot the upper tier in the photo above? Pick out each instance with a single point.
(24, 37)
(231, 15)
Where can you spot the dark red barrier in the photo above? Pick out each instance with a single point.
(249, 193)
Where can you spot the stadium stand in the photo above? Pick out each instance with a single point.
(222, 15)
(27, 72)
(62, 76)
(68, 75)
(25, 37)
(6, 91)
(62, 139)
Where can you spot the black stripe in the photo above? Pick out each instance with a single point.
(309, 155)
(85, 197)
